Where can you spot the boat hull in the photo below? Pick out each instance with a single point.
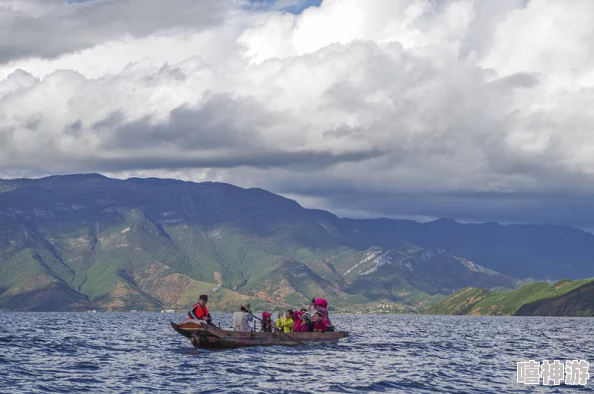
(206, 336)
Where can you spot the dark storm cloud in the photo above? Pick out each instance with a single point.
(569, 209)
(221, 122)
(49, 28)
(263, 160)
(467, 109)
(300, 161)
(222, 133)
(519, 80)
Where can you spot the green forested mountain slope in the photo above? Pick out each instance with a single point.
(563, 298)
(87, 241)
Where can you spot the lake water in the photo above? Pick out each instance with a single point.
(140, 352)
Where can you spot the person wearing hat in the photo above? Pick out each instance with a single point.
(321, 307)
(242, 318)
(199, 311)
(266, 322)
(306, 324)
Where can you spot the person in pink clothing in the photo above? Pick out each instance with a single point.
(297, 320)
(306, 324)
(266, 322)
(298, 317)
(321, 306)
(303, 325)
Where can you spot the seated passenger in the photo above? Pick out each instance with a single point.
(296, 319)
(298, 323)
(266, 322)
(306, 323)
(303, 312)
(242, 318)
(199, 311)
(286, 323)
(318, 324)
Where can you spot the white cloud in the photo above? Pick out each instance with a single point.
(391, 107)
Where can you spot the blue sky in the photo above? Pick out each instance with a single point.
(304, 4)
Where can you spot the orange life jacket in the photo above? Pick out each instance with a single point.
(199, 312)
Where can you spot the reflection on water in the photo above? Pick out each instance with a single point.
(140, 352)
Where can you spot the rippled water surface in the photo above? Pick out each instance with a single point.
(140, 352)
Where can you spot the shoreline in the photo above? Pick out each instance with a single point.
(335, 313)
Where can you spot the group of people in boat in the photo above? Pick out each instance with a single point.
(292, 321)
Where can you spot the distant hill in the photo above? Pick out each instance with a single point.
(86, 241)
(542, 252)
(563, 298)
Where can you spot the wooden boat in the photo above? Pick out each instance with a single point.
(208, 336)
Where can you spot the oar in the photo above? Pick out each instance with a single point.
(279, 330)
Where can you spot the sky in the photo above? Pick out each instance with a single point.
(475, 110)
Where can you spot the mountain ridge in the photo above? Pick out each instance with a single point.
(108, 243)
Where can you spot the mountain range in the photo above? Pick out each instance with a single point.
(85, 241)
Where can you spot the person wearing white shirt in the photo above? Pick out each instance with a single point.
(242, 318)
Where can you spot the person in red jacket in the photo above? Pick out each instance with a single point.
(199, 311)
(318, 324)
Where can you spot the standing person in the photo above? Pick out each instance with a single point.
(321, 307)
(242, 318)
(199, 311)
